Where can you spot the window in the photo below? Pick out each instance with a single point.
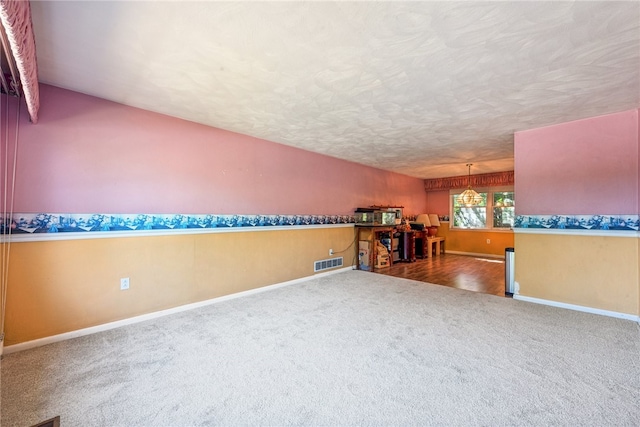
(472, 216)
(499, 203)
(504, 211)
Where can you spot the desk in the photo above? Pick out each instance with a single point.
(375, 231)
(426, 246)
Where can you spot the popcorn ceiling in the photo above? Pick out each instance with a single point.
(420, 88)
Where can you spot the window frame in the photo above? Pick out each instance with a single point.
(489, 207)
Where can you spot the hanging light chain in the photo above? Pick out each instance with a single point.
(469, 197)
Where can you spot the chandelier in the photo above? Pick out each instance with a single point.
(469, 197)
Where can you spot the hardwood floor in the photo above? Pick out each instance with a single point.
(472, 273)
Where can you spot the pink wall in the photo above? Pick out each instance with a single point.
(438, 202)
(89, 155)
(583, 167)
(8, 115)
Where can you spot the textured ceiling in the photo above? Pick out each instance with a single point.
(420, 88)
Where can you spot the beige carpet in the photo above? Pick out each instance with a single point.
(354, 348)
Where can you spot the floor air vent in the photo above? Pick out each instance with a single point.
(326, 264)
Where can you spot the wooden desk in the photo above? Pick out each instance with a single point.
(374, 232)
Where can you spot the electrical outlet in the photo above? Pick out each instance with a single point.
(330, 252)
(488, 241)
(124, 284)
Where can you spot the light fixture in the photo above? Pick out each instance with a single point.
(469, 197)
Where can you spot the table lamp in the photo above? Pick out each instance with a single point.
(423, 219)
(434, 224)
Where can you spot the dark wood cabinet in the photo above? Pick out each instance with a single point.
(407, 247)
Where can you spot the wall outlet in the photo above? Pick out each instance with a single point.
(330, 252)
(488, 241)
(124, 283)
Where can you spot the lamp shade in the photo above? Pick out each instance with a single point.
(423, 219)
(435, 221)
(469, 198)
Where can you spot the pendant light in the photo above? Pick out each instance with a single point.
(469, 197)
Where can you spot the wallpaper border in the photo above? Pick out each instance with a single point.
(32, 227)
(591, 223)
(65, 223)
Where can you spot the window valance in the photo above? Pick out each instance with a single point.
(482, 180)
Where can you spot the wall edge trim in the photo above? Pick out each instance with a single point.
(569, 232)
(585, 309)
(40, 237)
(157, 314)
(602, 223)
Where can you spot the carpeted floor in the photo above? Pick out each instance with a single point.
(353, 348)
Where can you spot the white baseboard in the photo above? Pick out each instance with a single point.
(144, 317)
(591, 310)
(475, 254)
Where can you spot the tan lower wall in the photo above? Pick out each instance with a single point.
(592, 271)
(475, 241)
(62, 286)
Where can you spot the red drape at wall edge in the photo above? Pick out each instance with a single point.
(15, 17)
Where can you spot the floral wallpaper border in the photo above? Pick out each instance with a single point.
(32, 223)
(27, 223)
(579, 222)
